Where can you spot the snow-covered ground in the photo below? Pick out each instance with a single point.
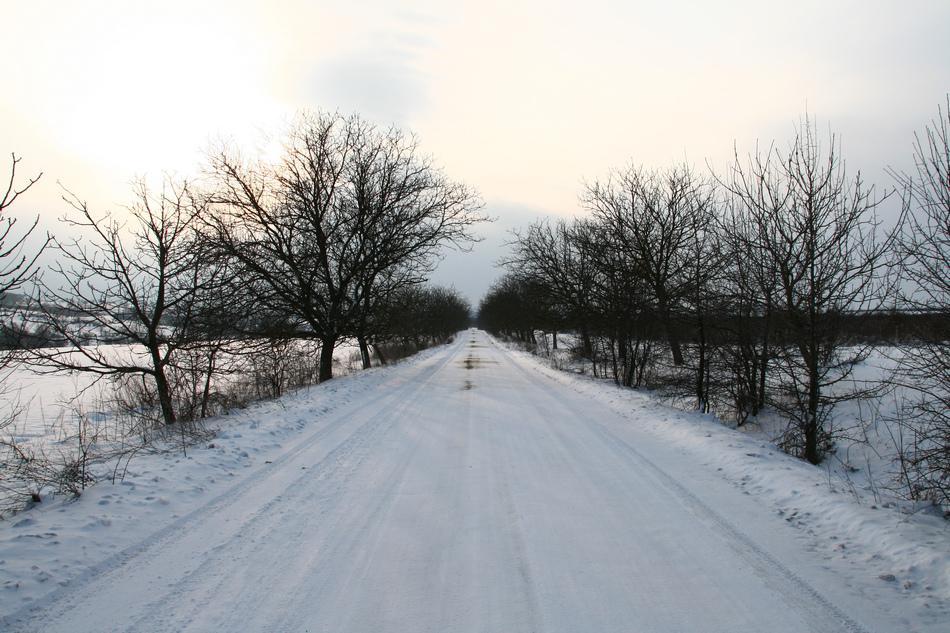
(864, 461)
(49, 402)
(472, 488)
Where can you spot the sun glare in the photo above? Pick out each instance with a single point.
(146, 98)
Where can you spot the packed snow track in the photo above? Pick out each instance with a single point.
(472, 493)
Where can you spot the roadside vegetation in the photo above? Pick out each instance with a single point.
(758, 295)
(241, 284)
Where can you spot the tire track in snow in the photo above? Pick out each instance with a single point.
(748, 548)
(60, 603)
(805, 597)
(350, 533)
(250, 550)
(516, 534)
(343, 575)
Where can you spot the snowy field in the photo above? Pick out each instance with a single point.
(474, 488)
(49, 402)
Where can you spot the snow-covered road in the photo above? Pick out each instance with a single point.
(470, 492)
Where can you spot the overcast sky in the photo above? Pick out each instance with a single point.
(522, 100)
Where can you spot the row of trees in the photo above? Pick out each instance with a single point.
(740, 291)
(334, 242)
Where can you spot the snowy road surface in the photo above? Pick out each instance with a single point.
(471, 493)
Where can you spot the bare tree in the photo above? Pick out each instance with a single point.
(923, 248)
(17, 266)
(349, 209)
(749, 290)
(655, 218)
(404, 211)
(137, 286)
(558, 257)
(279, 224)
(215, 343)
(642, 263)
(924, 244)
(705, 307)
(19, 465)
(626, 324)
(819, 232)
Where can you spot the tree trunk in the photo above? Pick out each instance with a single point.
(702, 397)
(674, 340)
(614, 358)
(764, 363)
(161, 381)
(812, 423)
(588, 349)
(623, 347)
(364, 352)
(671, 334)
(585, 340)
(326, 358)
(207, 390)
(763, 375)
(164, 395)
(379, 354)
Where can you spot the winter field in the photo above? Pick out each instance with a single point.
(474, 487)
(49, 403)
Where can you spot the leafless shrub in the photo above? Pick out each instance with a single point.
(31, 467)
(920, 431)
(395, 351)
(274, 367)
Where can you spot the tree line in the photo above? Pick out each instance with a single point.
(758, 289)
(333, 242)
(761, 288)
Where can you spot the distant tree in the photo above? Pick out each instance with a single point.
(557, 258)
(425, 314)
(350, 214)
(513, 306)
(923, 249)
(450, 312)
(818, 230)
(137, 285)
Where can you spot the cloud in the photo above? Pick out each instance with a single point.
(382, 88)
(383, 75)
(473, 272)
